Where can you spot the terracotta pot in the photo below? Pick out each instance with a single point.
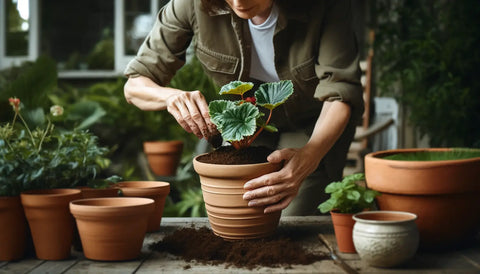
(443, 194)
(229, 215)
(13, 229)
(158, 191)
(112, 229)
(88, 192)
(385, 238)
(50, 221)
(343, 225)
(163, 156)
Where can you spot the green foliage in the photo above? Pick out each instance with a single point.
(47, 158)
(238, 121)
(347, 196)
(430, 49)
(453, 154)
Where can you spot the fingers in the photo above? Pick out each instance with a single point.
(191, 112)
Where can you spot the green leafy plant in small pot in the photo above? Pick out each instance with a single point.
(240, 123)
(347, 197)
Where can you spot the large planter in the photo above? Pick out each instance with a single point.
(163, 156)
(50, 221)
(112, 229)
(343, 226)
(158, 191)
(13, 229)
(228, 213)
(443, 194)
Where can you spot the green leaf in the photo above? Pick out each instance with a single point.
(353, 195)
(236, 87)
(271, 95)
(216, 110)
(239, 122)
(88, 112)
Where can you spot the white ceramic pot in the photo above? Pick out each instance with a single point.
(385, 238)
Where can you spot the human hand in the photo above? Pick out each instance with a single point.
(277, 189)
(190, 109)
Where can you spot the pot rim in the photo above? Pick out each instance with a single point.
(197, 162)
(405, 217)
(51, 192)
(88, 207)
(378, 156)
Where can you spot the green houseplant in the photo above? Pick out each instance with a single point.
(239, 123)
(42, 165)
(347, 197)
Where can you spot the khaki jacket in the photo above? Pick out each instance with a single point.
(314, 44)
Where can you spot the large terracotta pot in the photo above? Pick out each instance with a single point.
(13, 229)
(163, 156)
(229, 215)
(158, 191)
(112, 229)
(343, 226)
(443, 194)
(50, 221)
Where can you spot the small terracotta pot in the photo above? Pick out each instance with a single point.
(50, 221)
(385, 238)
(163, 156)
(443, 194)
(343, 225)
(112, 229)
(228, 213)
(13, 229)
(158, 191)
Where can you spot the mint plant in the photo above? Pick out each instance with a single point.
(240, 122)
(347, 196)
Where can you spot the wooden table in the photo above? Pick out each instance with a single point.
(466, 260)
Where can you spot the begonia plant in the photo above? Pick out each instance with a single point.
(240, 122)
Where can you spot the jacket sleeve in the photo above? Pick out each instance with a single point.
(337, 65)
(164, 49)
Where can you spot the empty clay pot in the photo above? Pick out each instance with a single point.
(385, 238)
(158, 191)
(228, 213)
(163, 156)
(112, 229)
(50, 221)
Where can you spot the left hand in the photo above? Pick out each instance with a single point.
(277, 189)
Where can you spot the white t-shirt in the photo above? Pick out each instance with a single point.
(263, 54)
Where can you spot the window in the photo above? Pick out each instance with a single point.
(87, 38)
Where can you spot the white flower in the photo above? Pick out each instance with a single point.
(56, 110)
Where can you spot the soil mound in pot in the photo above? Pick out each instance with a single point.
(228, 155)
(205, 247)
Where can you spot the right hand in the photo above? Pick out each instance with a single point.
(190, 109)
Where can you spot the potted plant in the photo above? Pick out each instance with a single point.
(440, 185)
(240, 123)
(49, 164)
(347, 198)
(13, 225)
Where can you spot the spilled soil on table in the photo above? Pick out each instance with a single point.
(228, 155)
(203, 246)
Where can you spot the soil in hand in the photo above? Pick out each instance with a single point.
(228, 155)
(205, 247)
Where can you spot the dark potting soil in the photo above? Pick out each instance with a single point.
(205, 247)
(228, 155)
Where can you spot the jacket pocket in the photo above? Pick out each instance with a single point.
(216, 62)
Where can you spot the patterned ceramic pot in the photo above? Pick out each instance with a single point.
(385, 238)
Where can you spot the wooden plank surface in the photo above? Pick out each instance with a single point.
(466, 260)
